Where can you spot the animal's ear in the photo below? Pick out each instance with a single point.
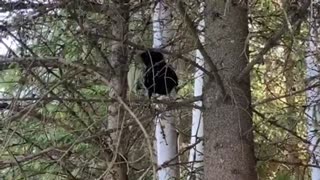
(142, 58)
(145, 58)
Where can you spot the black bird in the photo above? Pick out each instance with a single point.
(159, 77)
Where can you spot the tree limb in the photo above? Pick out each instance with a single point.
(294, 20)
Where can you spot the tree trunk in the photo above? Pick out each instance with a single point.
(229, 148)
(196, 152)
(118, 83)
(166, 134)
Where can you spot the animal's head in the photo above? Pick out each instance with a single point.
(151, 57)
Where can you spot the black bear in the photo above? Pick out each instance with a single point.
(159, 77)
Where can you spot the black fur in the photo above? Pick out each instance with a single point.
(159, 77)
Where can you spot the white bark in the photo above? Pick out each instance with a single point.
(313, 98)
(196, 153)
(166, 137)
(166, 134)
(157, 28)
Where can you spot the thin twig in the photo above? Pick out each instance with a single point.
(295, 19)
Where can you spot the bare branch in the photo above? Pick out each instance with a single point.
(6, 63)
(22, 5)
(296, 19)
(22, 159)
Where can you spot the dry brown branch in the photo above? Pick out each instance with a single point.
(284, 96)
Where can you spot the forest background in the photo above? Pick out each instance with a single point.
(64, 73)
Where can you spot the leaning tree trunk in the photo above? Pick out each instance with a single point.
(118, 84)
(229, 149)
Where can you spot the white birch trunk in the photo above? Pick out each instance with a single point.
(166, 134)
(313, 98)
(196, 153)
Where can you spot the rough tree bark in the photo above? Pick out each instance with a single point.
(118, 83)
(229, 150)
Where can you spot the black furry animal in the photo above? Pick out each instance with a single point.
(4, 106)
(159, 77)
